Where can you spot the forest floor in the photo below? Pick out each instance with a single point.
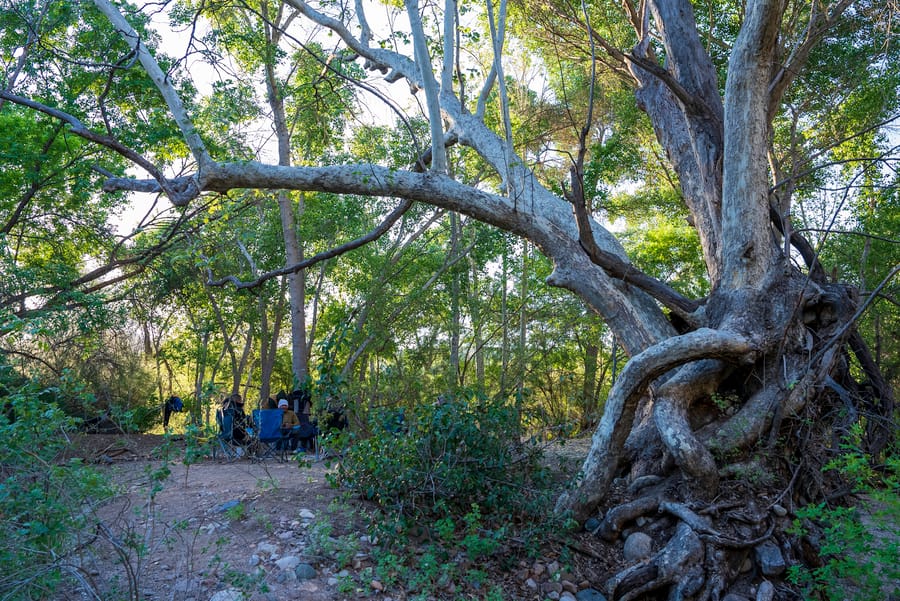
(279, 531)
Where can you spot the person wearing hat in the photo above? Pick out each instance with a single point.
(290, 423)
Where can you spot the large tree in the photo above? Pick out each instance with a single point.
(774, 334)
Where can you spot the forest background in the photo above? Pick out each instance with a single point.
(380, 303)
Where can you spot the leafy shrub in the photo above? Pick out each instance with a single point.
(859, 545)
(45, 503)
(454, 454)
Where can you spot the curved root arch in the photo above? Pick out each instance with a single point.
(640, 372)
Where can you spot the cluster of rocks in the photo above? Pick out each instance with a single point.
(279, 560)
(548, 579)
(762, 565)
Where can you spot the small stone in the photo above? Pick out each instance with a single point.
(591, 525)
(569, 586)
(304, 571)
(553, 567)
(584, 584)
(306, 514)
(285, 535)
(551, 587)
(641, 521)
(552, 595)
(332, 581)
(567, 596)
(289, 562)
(530, 583)
(638, 547)
(769, 558)
(267, 548)
(779, 510)
(747, 565)
(522, 574)
(766, 591)
(538, 569)
(226, 506)
(589, 594)
(254, 560)
(376, 585)
(733, 597)
(231, 594)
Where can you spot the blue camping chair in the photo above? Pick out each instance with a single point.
(225, 442)
(272, 443)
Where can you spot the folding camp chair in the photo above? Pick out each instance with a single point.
(307, 434)
(271, 441)
(225, 442)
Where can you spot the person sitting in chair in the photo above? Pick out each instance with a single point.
(234, 404)
(290, 424)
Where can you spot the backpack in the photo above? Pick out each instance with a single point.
(177, 404)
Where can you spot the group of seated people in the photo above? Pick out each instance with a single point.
(297, 428)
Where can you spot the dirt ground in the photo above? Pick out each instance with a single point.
(272, 530)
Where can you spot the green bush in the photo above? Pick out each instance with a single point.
(45, 503)
(454, 454)
(859, 545)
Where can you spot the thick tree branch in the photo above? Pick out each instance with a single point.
(169, 94)
(179, 194)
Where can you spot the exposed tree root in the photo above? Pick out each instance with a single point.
(616, 518)
(679, 564)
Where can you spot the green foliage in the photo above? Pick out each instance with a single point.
(45, 503)
(859, 545)
(458, 453)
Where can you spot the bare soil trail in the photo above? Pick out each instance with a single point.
(273, 531)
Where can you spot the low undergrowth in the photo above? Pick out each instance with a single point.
(459, 491)
(858, 545)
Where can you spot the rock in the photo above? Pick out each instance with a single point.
(769, 558)
(538, 569)
(747, 565)
(530, 583)
(285, 535)
(288, 562)
(733, 597)
(306, 514)
(638, 546)
(591, 525)
(254, 560)
(589, 594)
(304, 571)
(332, 581)
(552, 567)
(567, 596)
(551, 587)
(231, 594)
(267, 548)
(376, 585)
(226, 506)
(766, 591)
(552, 595)
(569, 586)
(779, 510)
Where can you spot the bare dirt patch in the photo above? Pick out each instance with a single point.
(215, 526)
